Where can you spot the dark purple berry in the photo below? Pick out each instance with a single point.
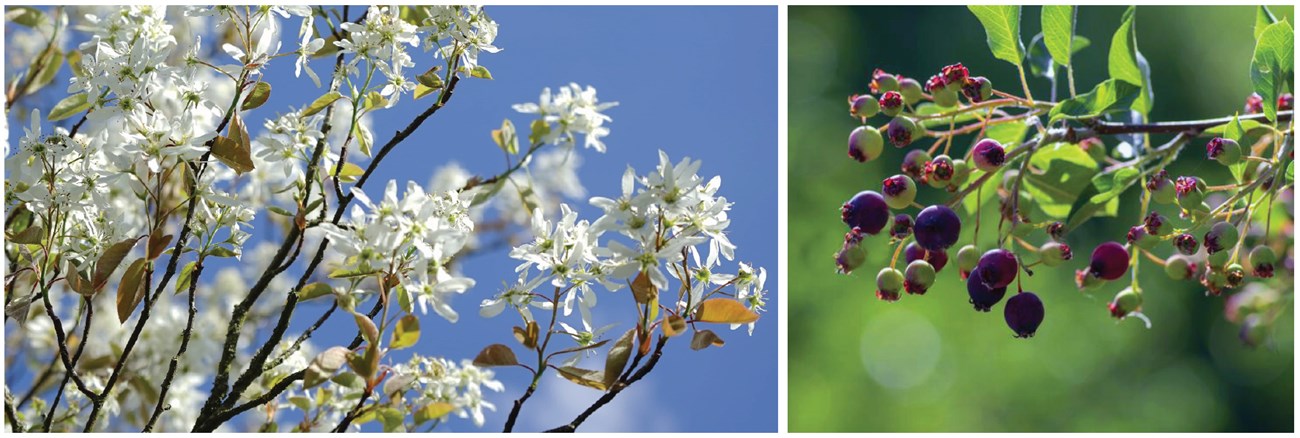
(1224, 150)
(1186, 243)
(900, 131)
(997, 268)
(1254, 104)
(902, 226)
(982, 296)
(865, 144)
(853, 254)
(867, 211)
(1109, 261)
(914, 163)
(938, 259)
(989, 155)
(977, 89)
(899, 191)
(918, 278)
(1222, 235)
(1024, 313)
(937, 228)
(891, 103)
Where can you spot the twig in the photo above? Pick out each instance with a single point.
(185, 341)
(613, 392)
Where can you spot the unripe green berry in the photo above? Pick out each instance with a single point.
(863, 106)
(899, 191)
(960, 173)
(911, 90)
(1054, 253)
(1214, 281)
(1224, 150)
(1261, 260)
(945, 97)
(888, 282)
(1234, 274)
(919, 277)
(1125, 302)
(1222, 236)
(1178, 267)
(865, 144)
(968, 257)
(1219, 259)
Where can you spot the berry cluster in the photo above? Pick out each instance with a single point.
(1208, 241)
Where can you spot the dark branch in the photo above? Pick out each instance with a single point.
(618, 387)
(185, 341)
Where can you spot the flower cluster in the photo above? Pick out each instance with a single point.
(573, 110)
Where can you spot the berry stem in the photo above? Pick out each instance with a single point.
(1025, 83)
(898, 250)
(1152, 257)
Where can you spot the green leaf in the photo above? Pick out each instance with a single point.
(1263, 18)
(1124, 61)
(185, 277)
(496, 355)
(433, 411)
(392, 419)
(1058, 32)
(351, 272)
(70, 106)
(929, 109)
(315, 290)
(538, 129)
(50, 62)
(374, 100)
(430, 79)
(506, 138)
(617, 358)
(1112, 185)
(221, 251)
(362, 141)
(421, 90)
(480, 72)
(1272, 65)
(1066, 171)
(1110, 95)
(350, 172)
(367, 363)
(320, 103)
(367, 328)
(233, 154)
(1002, 25)
(261, 91)
(407, 332)
(73, 59)
(1009, 134)
(131, 289)
(26, 16)
(1235, 131)
(324, 365)
(589, 378)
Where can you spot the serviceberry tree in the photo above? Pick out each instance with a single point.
(1047, 166)
(141, 299)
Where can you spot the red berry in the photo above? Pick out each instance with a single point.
(1109, 261)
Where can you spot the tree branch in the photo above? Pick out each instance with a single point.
(613, 392)
(185, 341)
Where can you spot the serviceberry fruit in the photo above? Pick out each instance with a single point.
(982, 296)
(900, 131)
(1224, 150)
(1054, 253)
(1218, 260)
(934, 84)
(960, 174)
(1261, 260)
(866, 211)
(997, 268)
(865, 144)
(1222, 235)
(914, 163)
(1162, 188)
(937, 259)
(1234, 274)
(1191, 192)
(852, 254)
(937, 228)
(888, 282)
(899, 191)
(1285, 102)
(1109, 261)
(989, 155)
(863, 106)
(1024, 313)
(891, 103)
(882, 82)
(1214, 281)
(977, 89)
(945, 97)
(919, 277)
(1156, 224)
(1125, 302)
(1179, 267)
(1085, 280)
(1139, 237)
(1254, 104)
(939, 171)
(968, 257)
(911, 90)
(954, 75)
(1186, 243)
(902, 226)
(1056, 230)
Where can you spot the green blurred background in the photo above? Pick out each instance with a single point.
(931, 363)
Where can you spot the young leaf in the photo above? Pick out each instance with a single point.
(325, 365)
(131, 289)
(705, 339)
(407, 332)
(432, 411)
(1263, 18)
(80, 283)
(233, 154)
(184, 278)
(643, 290)
(1273, 63)
(1111, 186)
(50, 61)
(1002, 25)
(538, 130)
(1058, 32)
(430, 79)
(261, 91)
(367, 363)
(505, 138)
(1125, 61)
(26, 16)
(1107, 96)
(158, 243)
(674, 325)
(70, 106)
(350, 172)
(481, 72)
(421, 90)
(589, 378)
(110, 260)
(724, 310)
(367, 327)
(320, 103)
(314, 290)
(496, 355)
(617, 359)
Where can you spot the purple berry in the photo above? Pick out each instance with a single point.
(997, 268)
(1186, 243)
(1285, 102)
(989, 155)
(1024, 313)
(937, 228)
(1056, 230)
(982, 296)
(1109, 261)
(1254, 104)
(938, 259)
(899, 191)
(867, 211)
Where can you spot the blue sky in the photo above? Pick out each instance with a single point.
(698, 82)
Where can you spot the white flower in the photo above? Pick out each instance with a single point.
(571, 111)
